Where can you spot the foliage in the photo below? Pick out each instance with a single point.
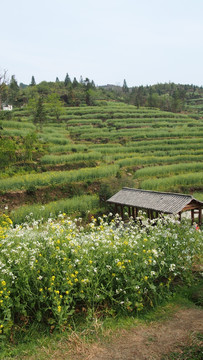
(7, 152)
(33, 82)
(50, 273)
(54, 106)
(39, 115)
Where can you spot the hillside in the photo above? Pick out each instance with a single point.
(75, 162)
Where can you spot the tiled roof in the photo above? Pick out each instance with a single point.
(170, 203)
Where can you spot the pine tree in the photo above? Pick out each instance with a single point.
(39, 113)
(67, 80)
(3, 82)
(75, 82)
(13, 90)
(33, 82)
(125, 87)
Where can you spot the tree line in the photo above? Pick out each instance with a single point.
(169, 96)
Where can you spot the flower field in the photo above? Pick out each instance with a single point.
(57, 271)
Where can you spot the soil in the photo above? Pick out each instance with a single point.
(145, 342)
(15, 199)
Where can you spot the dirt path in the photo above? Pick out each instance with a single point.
(143, 342)
(146, 342)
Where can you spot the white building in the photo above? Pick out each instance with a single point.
(8, 108)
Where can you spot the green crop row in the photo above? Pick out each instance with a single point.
(77, 204)
(162, 171)
(17, 125)
(72, 148)
(56, 177)
(53, 138)
(147, 160)
(139, 134)
(15, 132)
(63, 159)
(85, 121)
(175, 183)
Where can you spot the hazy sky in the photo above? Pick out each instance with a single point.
(142, 41)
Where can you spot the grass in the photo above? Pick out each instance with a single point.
(76, 205)
(192, 352)
(38, 343)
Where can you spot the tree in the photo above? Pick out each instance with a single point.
(37, 111)
(13, 90)
(75, 82)
(57, 79)
(125, 87)
(7, 152)
(30, 141)
(33, 82)
(67, 80)
(40, 113)
(81, 80)
(54, 105)
(3, 82)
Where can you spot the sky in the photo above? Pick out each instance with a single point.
(144, 42)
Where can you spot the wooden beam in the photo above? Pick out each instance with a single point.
(179, 216)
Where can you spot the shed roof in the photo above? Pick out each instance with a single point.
(170, 203)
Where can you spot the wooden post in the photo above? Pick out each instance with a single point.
(133, 213)
(179, 216)
(136, 212)
(148, 214)
(122, 216)
(200, 217)
(192, 216)
(116, 208)
(157, 214)
(129, 211)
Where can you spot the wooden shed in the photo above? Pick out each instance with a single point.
(155, 203)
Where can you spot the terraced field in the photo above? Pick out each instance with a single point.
(94, 151)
